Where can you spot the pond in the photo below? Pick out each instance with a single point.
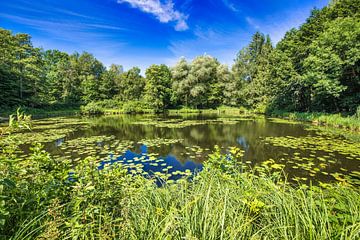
(177, 145)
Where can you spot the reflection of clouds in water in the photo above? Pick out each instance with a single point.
(59, 142)
(243, 143)
(168, 160)
(143, 149)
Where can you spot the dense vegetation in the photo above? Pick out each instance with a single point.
(313, 68)
(43, 197)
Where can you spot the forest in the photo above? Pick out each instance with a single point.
(315, 68)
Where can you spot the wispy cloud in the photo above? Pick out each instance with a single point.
(60, 25)
(252, 22)
(277, 25)
(164, 12)
(230, 5)
(221, 44)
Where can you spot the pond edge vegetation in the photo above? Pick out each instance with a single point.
(224, 201)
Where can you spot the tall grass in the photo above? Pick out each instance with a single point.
(219, 203)
(40, 201)
(333, 120)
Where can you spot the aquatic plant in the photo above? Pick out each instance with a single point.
(92, 108)
(221, 202)
(334, 120)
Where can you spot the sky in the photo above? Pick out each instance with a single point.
(144, 32)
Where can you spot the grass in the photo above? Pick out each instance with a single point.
(334, 120)
(224, 201)
(221, 202)
(220, 109)
(42, 113)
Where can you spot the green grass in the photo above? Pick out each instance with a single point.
(220, 109)
(42, 112)
(224, 201)
(220, 203)
(333, 120)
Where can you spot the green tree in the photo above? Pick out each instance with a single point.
(109, 82)
(90, 73)
(53, 76)
(158, 87)
(181, 89)
(131, 85)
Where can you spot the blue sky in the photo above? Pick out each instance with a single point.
(143, 32)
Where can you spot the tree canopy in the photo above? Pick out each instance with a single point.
(313, 68)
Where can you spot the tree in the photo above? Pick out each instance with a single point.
(90, 73)
(251, 70)
(202, 82)
(53, 76)
(181, 90)
(131, 85)
(110, 80)
(333, 65)
(158, 87)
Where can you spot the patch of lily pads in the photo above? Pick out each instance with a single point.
(99, 146)
(181, 123)
(316, 158)
(159, 141)
(318, 143)
(48, 130)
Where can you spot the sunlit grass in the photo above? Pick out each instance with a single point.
(219, 203)
(334, 120)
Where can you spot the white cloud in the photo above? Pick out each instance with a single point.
(220, 44)
(230, 5)
(164, 12)
(276, 25)
(252, 22)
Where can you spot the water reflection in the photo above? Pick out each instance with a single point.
(59, 142)
(197, 141)
(168, 164)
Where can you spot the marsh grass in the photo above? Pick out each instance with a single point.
(220, 109)
(221, 202)
(333, 120)
(224, 201)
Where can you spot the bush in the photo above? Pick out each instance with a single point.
(221, 202)
(135, 107)
(110, 103)
(92, 108)
(357, 114)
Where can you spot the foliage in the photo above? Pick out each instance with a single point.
(131, 85)
(333, 120)
(19, 121)
(314, 68)
(56, 200)
(201, 83)
(135, 107)
(157, 87)
(92, 108)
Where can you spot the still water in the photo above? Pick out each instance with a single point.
(181, 143)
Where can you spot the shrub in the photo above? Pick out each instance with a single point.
(92, 108)
(110, 103)
(357, 114)
(135, 107)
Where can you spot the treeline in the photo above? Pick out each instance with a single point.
(313, 68)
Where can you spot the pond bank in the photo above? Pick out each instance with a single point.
(37, 113)
(221, 202)
(351, 123)
(233, 197)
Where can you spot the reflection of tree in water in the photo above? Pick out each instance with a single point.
(243, 143)
(246, 134)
